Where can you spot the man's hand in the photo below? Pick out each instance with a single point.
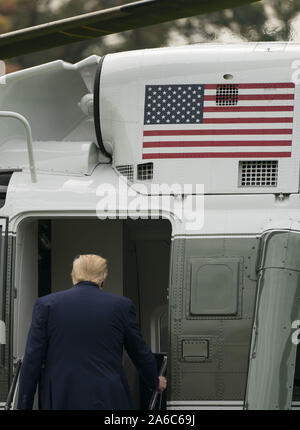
(162, 384)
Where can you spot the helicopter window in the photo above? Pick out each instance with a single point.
(214, 286)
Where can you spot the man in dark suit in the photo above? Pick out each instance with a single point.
(75, 345)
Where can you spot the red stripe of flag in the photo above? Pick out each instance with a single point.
(244, 120)
(184, 144)
(216, 132)
(219, 155)
(248, 108)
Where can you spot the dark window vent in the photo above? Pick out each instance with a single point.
(126, 170)
(145, 172)
(262, 173)
(5, 176)
(227, 95)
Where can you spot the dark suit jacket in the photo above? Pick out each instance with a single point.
(75, 346)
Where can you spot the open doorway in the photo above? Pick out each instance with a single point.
(138, 254)
(296, 387)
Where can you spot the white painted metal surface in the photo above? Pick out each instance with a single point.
(58, 157)
(125, 77)
(55, 195)
(55, 99)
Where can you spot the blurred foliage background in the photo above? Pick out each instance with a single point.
(267, 20)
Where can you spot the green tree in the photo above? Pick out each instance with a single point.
(268, 20)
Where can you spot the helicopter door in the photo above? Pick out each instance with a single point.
(273, 348)
(212, 296)
(4, 307)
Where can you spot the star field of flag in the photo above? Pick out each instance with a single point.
(174, 104)
(238, 120)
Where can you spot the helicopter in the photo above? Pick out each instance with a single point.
(179, 165)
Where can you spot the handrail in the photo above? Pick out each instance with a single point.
(157, 392)
(13, 386)
(23, 120)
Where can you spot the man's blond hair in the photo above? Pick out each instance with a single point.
(89, 267)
